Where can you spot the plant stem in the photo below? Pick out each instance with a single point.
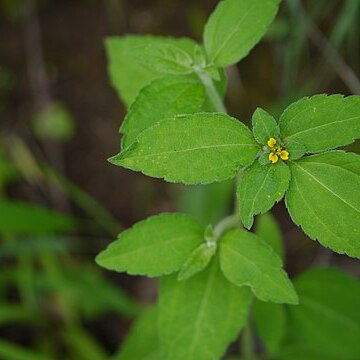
(247, 344)
(211, 92)
(226, 224)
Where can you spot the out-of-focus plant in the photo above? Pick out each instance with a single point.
(43, 286)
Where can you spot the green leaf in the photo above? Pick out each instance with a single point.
(328, 317)
(200, 317)
(268, 229)
(247, 260)
(164, 58)
(270, 321)
(259, 189)
(22, 218)
(322, 122)
(264, 159)
(235, 27)
(324, 199)
(142, 343)
(296, 150)
(264, 126)
(156, 246)
(198, 260)
(127, 74)
(191, 149)
(162, 98)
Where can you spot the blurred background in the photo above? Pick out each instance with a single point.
(61, 202)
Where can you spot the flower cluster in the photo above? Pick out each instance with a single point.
(276, 151)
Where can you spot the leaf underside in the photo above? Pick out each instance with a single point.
(129, 76)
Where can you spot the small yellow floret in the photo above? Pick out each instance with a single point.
(273, 157)
(284, 155)
(272, 142)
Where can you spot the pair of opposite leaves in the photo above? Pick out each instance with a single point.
(322, 190)
(168, 243)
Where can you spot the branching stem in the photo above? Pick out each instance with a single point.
(211, 92)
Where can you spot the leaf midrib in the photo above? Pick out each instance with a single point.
(320, 126)
(261, 271)
(147, 246)
(189, 150)
(327, 188)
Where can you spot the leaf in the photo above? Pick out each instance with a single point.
(235, 27)
(270, 321)
(142, 343)
(22, 218)
(246, 259)
(328, 317)
(259, 189)
(200, 317)
(162, 98)
(324, 199)
(156, 246)
(268, 229)
(129, 76)
(264, 126)
(191, 149)
(198, 260)
(296, 150)
(322, 122)
(164, 58)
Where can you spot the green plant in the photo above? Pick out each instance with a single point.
(177, 129)
(42, 287)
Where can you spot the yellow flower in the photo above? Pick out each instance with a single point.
(284, 155)
(276, 151)
(271, 143)
(273, 157)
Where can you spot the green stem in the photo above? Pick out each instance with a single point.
(232, 221)
(226, 224)
(211, 92)
(247, 344)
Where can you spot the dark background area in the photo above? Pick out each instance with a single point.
(313, 47)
